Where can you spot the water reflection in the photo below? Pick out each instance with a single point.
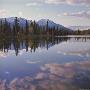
(32, 43)
(64, 64)
(69, 76)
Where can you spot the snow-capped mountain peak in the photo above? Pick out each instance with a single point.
(20, 20)
(43, 22)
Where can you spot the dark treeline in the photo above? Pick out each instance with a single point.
(83, 32)
(32, 28)
(29, 29)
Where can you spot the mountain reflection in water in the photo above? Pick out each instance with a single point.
(65, 65)
(31, 43)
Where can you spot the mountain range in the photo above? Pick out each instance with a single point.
(42, 22)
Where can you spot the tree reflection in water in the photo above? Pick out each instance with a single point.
(69, 76)
(32, 42)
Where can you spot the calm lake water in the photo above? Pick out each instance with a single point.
(36, 63)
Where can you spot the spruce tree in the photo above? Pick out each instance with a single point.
(16, 26)
(47, 29)
(27, 28)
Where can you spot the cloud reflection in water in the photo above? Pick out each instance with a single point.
(69, 76)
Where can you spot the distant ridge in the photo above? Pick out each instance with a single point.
(79, 27)
(41, 22)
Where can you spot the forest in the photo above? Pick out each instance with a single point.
(30, 29)
(13, 30)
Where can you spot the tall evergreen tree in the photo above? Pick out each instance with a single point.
(47, 29)
(6, 27)
(16, 26)
(34, 27)
(27, 27)
(1, 26)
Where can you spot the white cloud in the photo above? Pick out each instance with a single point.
(3, 12)
(67, 1)
(88, 12)
(85, 14)
(33, 4)
(65, 14)
(20, 14)
(54, 1)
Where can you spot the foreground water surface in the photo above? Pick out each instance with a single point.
(45, 63)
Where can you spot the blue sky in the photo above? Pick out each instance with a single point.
(65, 12)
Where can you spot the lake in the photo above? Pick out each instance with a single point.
(45, 63)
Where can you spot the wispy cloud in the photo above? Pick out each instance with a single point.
(67, 1)
(85, 14)
(33, 4)
(3, 12)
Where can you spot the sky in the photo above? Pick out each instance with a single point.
(65, 12)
